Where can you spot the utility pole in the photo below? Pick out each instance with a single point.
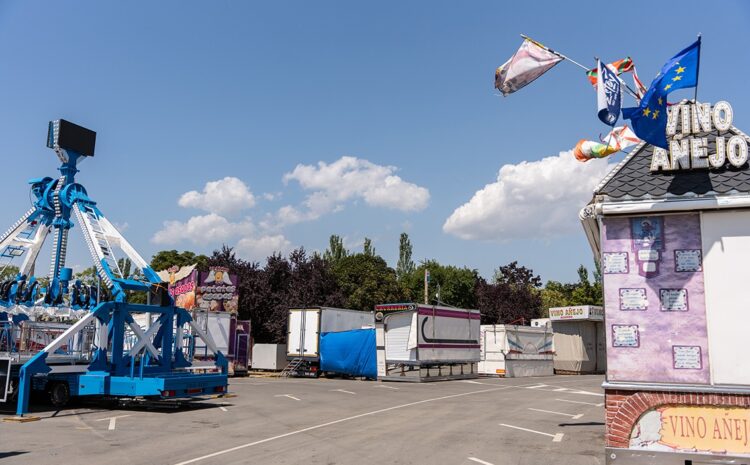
(426, 286)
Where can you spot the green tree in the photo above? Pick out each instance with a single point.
(585, 292)
(368, 248)
(88, 276)
(405, 265)
(366, 280)
(8, 272)
(166, 259)
(556, 294)
(336, 250)
(448, 284)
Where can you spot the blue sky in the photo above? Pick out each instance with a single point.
(187, 93)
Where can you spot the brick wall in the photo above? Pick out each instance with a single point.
(624, 408)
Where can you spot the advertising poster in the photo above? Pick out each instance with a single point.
(217, 291)
(656, 311)
(182, 283)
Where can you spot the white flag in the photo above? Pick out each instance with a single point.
(528, 63)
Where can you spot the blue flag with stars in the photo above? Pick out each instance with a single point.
(649, 119)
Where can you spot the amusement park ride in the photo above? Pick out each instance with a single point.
(64, 338)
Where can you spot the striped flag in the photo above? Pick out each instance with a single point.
(618, 139)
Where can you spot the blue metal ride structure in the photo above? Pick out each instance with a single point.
(112, 354)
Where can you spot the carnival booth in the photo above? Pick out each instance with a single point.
(671, 229)
(514, 351)
(418, 342)
(579, 339)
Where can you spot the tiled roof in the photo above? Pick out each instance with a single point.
(633, 179)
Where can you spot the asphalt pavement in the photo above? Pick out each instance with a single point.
(273, 421)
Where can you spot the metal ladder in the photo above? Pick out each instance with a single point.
(292, 367)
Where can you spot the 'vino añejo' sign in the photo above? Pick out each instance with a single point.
(688, 150)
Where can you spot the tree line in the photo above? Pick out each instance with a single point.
(360, 280)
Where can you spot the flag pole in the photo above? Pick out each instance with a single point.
(698, 71)
(538, 44)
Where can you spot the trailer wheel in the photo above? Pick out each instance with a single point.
(59, 394)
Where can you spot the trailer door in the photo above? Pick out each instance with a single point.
(311, 332)
(294, 334)
(397, 329)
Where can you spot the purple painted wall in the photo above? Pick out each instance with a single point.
(654, 299)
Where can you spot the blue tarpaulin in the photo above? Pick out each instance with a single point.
(349, 352)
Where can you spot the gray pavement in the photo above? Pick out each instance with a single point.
(333, 421)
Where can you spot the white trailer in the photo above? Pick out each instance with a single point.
(516, 351)
(304, 327)
(426, 343)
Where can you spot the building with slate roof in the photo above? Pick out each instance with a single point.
(671, 231)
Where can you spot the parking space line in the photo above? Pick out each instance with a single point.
(384, 386)
(555, 437)
(287, 395)
(343, 390)
(537, 387)
(341, 420)
(579, 402)
(474, 459)
(223, 409)
(575, 417)
(112, 421)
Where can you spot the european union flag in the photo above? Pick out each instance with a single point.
(649, 119)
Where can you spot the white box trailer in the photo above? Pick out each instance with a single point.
(426, 343)
(516, 351)
(305, 325)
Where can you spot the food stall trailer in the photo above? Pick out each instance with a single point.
(417, 342)
(671, 229)
(580, 343)
(514, 351)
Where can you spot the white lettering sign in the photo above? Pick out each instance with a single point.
(689, 152)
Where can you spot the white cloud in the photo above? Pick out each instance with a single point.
(226, 196)
(202, 230)
(350, 178)
(537, 199)
(259, 248)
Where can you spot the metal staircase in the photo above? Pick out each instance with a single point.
(292, 367)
